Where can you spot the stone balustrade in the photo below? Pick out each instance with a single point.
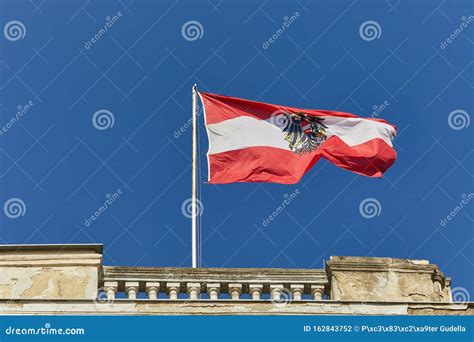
(71, 279)
(213, 284)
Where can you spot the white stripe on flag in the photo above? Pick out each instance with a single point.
(245, 131)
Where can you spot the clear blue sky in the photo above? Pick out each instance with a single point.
(141, 70)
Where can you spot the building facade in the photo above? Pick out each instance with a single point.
(72, 280)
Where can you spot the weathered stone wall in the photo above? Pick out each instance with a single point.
(49, 272)
(386, 279)
(65, 279)
(48, 282)
(227, 307)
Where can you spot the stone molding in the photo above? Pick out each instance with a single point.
(62, 279)
(50, 271)
(227, 307)
(386, 279)
(51, 255)
(223, 276)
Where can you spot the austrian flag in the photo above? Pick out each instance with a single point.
(260, 142)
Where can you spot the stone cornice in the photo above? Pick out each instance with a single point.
(244, 276)
(50, 255)
(228, 307)
(73, 272)
(367, 264)
(95, 247)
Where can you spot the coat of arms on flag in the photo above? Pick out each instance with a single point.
(304, 133)
(260, 142)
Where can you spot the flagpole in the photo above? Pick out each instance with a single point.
(194, 180)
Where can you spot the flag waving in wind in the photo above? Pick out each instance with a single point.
(260, 142)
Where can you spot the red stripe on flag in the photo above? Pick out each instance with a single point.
(274, 165)
(220, 108)
(371, 158)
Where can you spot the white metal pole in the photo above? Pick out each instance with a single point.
(194, 180)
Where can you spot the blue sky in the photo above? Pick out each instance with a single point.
(140, 70)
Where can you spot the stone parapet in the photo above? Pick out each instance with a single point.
(70, 279)
(227, 307)
(386, 279)
(246, 281)
(49, 271)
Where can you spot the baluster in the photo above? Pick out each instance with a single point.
(235, 290)
(193, 290)
(152, 289)
(172, 289)
(317, 291)
(131, 287)
(111, 287)
(297, 291)
(276, 291)
(256, 291)
(213, 290)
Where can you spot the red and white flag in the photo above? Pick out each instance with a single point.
(260, 142)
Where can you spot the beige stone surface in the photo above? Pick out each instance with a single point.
(386, 279)
(49, 271)
(65, 279)
(48, 282)
(227, 307)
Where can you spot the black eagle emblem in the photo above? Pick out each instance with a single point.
(304, 133)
